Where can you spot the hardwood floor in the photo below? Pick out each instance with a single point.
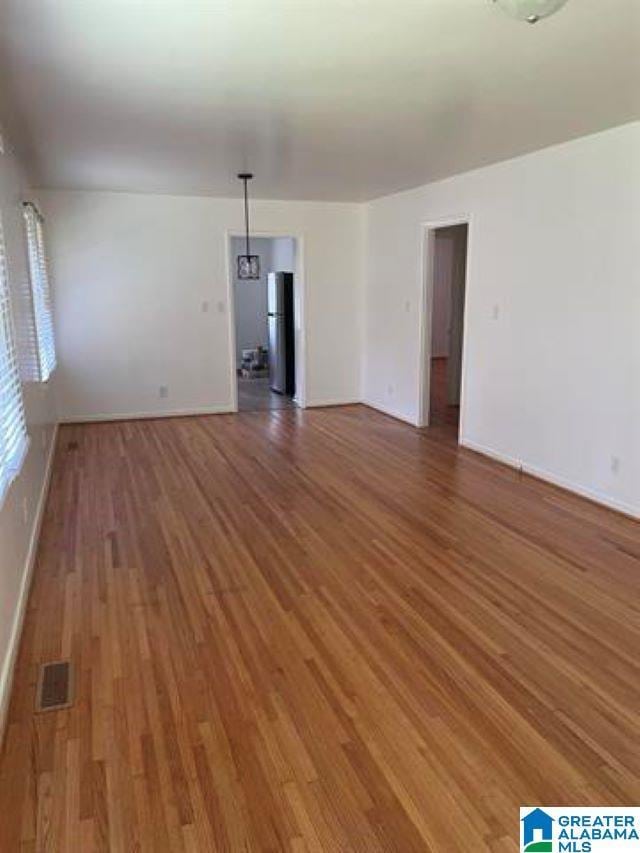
(317, 630)
(440, 412)
(255, 395)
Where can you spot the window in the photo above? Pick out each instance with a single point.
(40, 293)
(13, 428)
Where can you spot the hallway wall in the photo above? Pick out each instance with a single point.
(441, 318)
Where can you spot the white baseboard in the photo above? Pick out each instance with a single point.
(554, 479)
(496, 455)
(226, 409)
(318, 404)
(102, 417)
(6, 678)
(387, 410)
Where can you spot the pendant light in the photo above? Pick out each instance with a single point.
(248, 264)
(530, 11)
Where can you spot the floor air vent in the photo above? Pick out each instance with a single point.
(55, 686)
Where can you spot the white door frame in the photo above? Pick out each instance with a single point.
(299, 288)
(427, 257)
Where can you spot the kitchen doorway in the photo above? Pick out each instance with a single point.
(267, 326)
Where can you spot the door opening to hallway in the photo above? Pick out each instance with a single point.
(449, 264)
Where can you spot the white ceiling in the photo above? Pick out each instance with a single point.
(322, 99)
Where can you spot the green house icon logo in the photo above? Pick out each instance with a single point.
(537, 832)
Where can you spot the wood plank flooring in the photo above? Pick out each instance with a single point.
(255, 395)
(440, 412)
(317, 631)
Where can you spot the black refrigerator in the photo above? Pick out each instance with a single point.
(282, 372)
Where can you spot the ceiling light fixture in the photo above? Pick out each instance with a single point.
(530, 11)
(248, 264)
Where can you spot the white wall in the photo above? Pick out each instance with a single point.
(133, 271)
(250, 296)
(553, 381)
(20, 512)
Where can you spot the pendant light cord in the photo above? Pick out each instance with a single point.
(246, 216)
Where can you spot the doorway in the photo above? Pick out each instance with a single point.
(266, 318)
(446, 256)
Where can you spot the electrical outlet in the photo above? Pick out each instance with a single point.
(221, 307)
(205, 307)
(163, 391)
(615, 464)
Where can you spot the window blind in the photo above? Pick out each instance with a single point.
(13, 428)
(40, 293)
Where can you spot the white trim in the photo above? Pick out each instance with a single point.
(9, 664)
(318, 404)
(139, 416)
(426, 261)
(300, 289)
(386, 410)
(554, 479)
(231, 313)
(226, 409)
(496, 455)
